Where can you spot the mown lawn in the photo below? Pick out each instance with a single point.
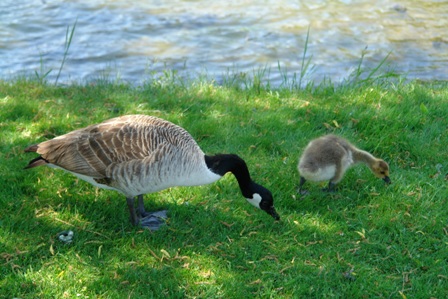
(368, 240)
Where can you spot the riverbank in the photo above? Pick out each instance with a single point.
(366, 240)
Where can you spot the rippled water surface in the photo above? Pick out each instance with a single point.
(131, 40)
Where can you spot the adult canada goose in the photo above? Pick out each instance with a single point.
(139, 154)
(329, 157)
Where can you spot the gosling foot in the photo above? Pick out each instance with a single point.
(303, 192)
(331, 188)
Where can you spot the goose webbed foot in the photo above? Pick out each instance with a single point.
(153, 220)
(150, 220)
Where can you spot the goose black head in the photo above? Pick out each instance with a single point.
(256, 195)
(261, 198)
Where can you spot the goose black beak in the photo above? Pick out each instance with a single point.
(387, 180)
(271, 211)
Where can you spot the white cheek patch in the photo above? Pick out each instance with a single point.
(255, 200)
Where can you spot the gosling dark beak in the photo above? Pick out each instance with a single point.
(271, 211)
(387, 180)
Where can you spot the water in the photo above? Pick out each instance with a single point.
(132, 40)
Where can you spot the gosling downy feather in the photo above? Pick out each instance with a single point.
(329, 157)
(139, 154)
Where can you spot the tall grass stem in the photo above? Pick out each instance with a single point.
(68, 41)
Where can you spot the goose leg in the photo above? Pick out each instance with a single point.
(141, 206)
(132, 212)
(151, 220)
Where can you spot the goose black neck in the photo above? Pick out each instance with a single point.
(223, 163)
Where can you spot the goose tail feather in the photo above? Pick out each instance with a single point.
(32, 148)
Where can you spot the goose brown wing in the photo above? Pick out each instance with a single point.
(90, 151)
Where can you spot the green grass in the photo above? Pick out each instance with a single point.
(367, 240)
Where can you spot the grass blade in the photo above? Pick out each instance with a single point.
(68, 40)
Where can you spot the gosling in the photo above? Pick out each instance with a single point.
(329, 157)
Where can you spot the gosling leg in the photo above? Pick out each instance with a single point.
(331, 187)
(300, 191)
